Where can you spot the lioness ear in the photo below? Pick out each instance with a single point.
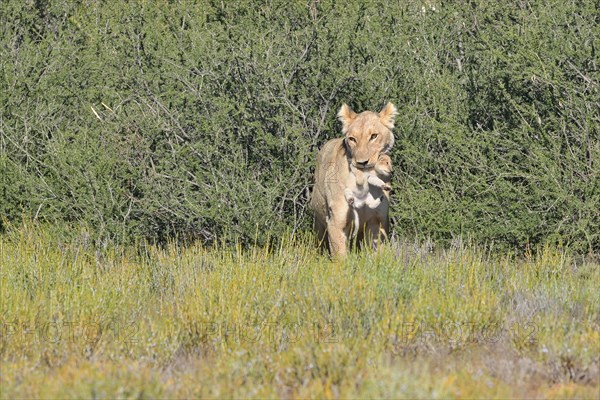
(346, 115)
(387, 115)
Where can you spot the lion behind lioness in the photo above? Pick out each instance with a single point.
(367, 135)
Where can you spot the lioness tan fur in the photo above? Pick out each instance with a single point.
(366, 136)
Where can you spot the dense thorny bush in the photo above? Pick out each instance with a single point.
(202, 120)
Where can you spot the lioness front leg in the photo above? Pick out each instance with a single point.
(337, 242)
(376, 232)
(339, 229)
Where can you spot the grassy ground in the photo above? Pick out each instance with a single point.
(145, 322)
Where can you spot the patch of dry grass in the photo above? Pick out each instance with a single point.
(185, 322)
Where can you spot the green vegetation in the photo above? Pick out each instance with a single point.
(154, 164)
(201, 120)
(283, 321)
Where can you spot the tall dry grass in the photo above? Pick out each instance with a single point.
(183, 322)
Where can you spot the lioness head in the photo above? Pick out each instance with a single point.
(368, 134)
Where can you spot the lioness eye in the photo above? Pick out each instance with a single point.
(374, 136)
(352, 139)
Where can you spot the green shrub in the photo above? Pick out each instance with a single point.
(202, 120)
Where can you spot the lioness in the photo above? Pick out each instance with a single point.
(366, 136)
